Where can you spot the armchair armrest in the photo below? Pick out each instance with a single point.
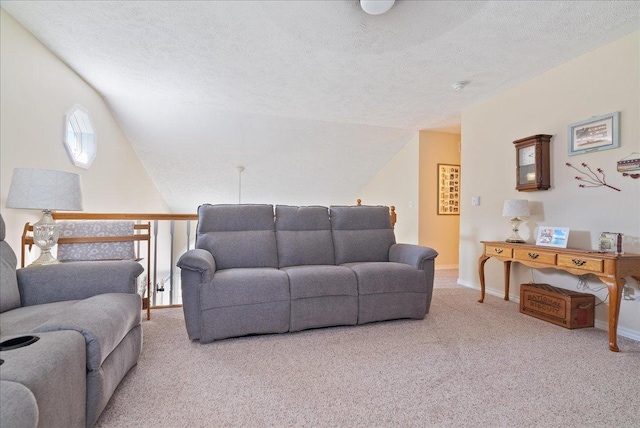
(418, 256)
(76, 280)
(197, 261)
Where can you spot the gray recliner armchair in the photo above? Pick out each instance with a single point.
(86, 316)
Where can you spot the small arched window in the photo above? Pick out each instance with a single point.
(80, 138)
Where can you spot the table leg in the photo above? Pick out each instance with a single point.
(481, 261)
(615, 286)
(507, 274)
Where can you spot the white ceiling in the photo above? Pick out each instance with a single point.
(312, 97)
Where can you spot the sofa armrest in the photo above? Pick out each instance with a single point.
(197, 268)
(200, 261)
(76, 280)
(418, 256)
(18, 406)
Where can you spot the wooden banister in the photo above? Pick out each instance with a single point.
(121, 216)
(392, 213)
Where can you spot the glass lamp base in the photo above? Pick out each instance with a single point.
(515, 237)
(45, 236)
(46, 258)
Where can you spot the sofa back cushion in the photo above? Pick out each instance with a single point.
(9, 293)
(238, 236)
(361, 233)
(303, 235)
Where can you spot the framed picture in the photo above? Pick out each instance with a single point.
(597, 133)
(549, 236)
(610, 242)
(448, 189)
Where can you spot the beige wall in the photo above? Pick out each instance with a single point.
(438, 231)
(397, 184)
(36, 91)
(600, 82)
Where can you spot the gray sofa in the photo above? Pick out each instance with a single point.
(310, 267)
(86, 318)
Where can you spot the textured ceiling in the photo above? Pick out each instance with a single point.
(312, 97)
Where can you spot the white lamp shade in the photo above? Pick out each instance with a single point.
(44, 189)
(376, 7)
(515, 208)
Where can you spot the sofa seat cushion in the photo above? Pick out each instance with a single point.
(388, 277)
(104, 320)
(26, 319)
(320, 281)
(322, 296)
(244, 286)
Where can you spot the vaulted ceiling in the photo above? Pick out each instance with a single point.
(311, 97)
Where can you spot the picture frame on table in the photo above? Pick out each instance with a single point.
(550, 236)
(610, 242)
(594, 134)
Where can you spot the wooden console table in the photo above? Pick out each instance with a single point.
(610, 268)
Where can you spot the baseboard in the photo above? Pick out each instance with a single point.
(624, 332)
(446, 267)
(468, 284)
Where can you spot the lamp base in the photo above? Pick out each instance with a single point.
(46, 258)
(515, 237)
(515, 241)
(45, 236)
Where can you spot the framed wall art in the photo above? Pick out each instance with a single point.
(448, 189)
(596, 133)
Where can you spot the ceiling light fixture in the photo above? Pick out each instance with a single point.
(458, 86)
(376, 7)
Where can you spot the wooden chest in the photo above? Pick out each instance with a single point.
(567, 308)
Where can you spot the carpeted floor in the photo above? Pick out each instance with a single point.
(465, 365)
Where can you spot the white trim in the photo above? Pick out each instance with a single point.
(446, 266)
(624, 332)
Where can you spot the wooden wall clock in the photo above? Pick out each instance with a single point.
(532, 163)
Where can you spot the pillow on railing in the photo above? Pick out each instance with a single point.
(96, 250)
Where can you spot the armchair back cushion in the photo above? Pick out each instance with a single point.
(9, 293)
(361, 233)
(303, 236)
(238, 236)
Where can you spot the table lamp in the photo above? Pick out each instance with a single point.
(515, 208)
(46, 190)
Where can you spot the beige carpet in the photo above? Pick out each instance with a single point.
(465, 365)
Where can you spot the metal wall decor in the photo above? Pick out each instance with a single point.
(628, 165)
